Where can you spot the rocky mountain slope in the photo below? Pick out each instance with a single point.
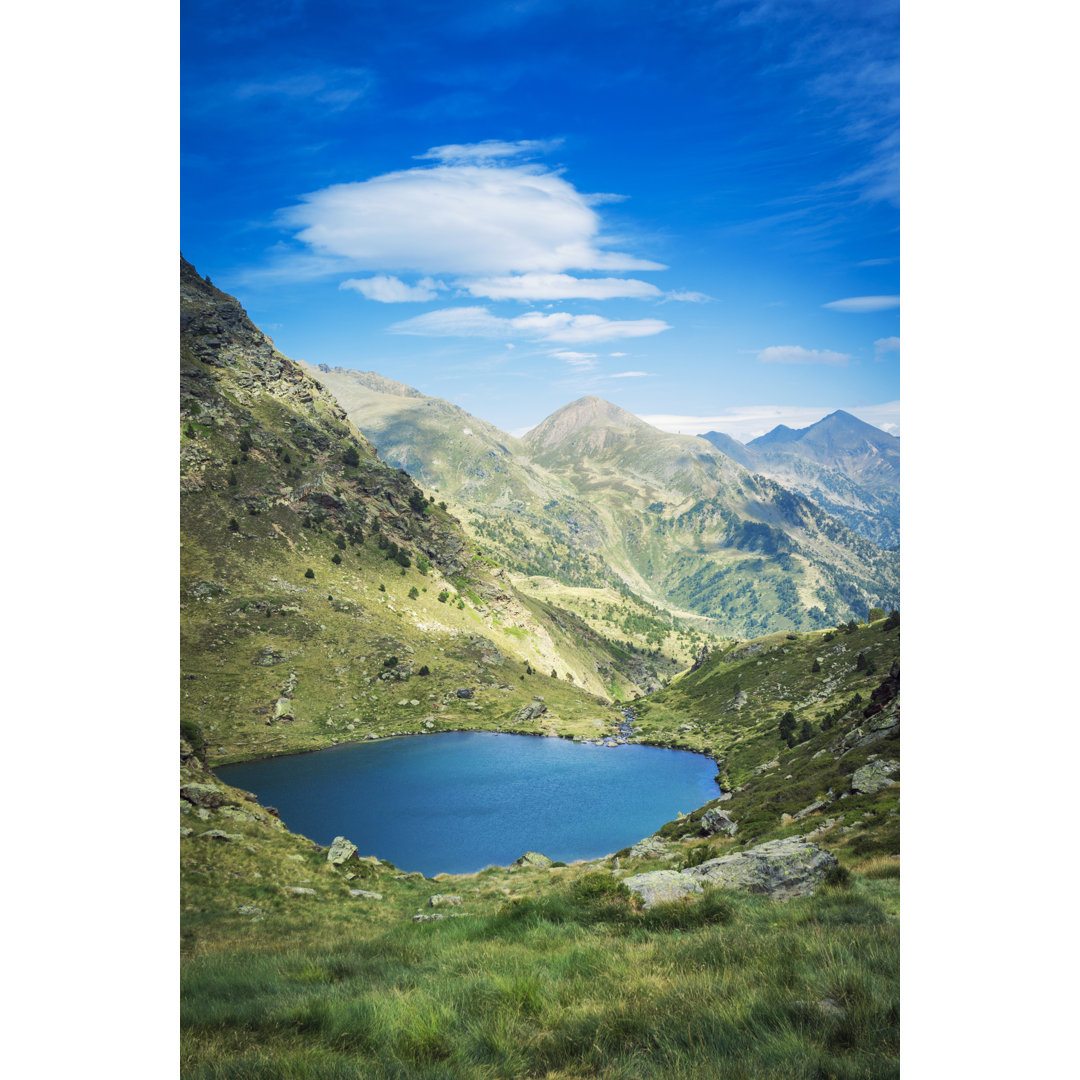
(593, 497)
(324, 595)
(848, 467)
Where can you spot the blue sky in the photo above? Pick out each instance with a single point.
(689, 209)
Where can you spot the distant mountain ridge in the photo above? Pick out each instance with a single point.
(593, 495)
(848, 467)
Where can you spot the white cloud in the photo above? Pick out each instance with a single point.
(885, 345)
(746, 422)
(583, 361)
(629, 375)
(618, 354)
(559, 327)
(392, 290)
(335, 88)
(862, 304)
(796, 354)
(465, 219)
(538, 286)
(488, 150)
(690, 297)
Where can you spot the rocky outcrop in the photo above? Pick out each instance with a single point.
(717, 821)
(533, 711)
(872, 778)
(780, 869)
(341, 851)
(439, 900)
(661, 886)
(652, 847)
(208, 796)
(532, 858)
(700, 659)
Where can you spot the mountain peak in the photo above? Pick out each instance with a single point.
(587, 424)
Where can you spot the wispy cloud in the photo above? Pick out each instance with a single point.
(487, 151)
(537, 286)
(630, 375)
(392, 290)
(688, 297)
(860, 305)
(796, 354)
(335, 88)
(559, 327)
(885, 345)
(579, 360)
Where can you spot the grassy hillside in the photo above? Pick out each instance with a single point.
(557, 972)
(323, 595)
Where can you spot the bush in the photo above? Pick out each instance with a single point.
(309, 573)
(424, 670)
(444, 596)
(234, 525)
(837, 877)
(390, 661)
(414, 593)
(190, 431)
(336, 560)
(382, 588)
(816, 666)
(350, 457)
(874, 614)
(787, 725)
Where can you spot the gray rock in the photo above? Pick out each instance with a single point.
(827, 1007)
(779, 868)
(814, 807)
(662, 886)
(256, 913)
(341, 851)
(529, 712)
(185, 832)
(532, 858)
(205, 795)
(465, 692)
(872, 778)
(438, 915)
(298, 890)
(768, 765)
(439, 900)
(718, 821)
(217, 834)
(365, 895)
(652, 847)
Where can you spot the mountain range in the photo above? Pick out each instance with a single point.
(848, 467)
(595, 497)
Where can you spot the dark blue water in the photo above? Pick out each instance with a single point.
(459, 801)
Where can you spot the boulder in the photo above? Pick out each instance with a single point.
(872, 778)
(718, 821)
(662, 886)
(529, 712)
(438, 900)
(532, 858)
(341, 851)
(298, 890)
(365, 895)
(465, 692)
(217, 834)
(652, 847)
(205, 795)
(780, 868)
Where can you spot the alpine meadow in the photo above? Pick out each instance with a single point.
(540, 525)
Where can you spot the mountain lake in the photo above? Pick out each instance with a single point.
(456, 802)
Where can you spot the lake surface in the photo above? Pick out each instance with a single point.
(458, 801)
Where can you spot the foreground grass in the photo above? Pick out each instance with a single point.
(565, 981)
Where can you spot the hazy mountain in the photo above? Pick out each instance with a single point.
(848, 467)
(593, 495)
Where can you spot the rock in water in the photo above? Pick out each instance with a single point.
(532, 858)
(780, 868)
(872, 778)
(341, 851)
(717, 821)
(662, 886)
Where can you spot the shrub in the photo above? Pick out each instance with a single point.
(837, 877)
(232, 479)
(350, 457)
(787, 725)
(403, 559)
(286, 458)
(417, 502)
(341, 542)
(336, 560)
(245, 441)
(309, 573)
(806, 731)
(874, 614)
(234, 525)
(424, 670)
(444, 596)
(190, 431)
(382, 588)
(816, 666)
(554, 673)
(414, 593)
(390, 661)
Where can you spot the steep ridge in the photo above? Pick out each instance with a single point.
(325, 597)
